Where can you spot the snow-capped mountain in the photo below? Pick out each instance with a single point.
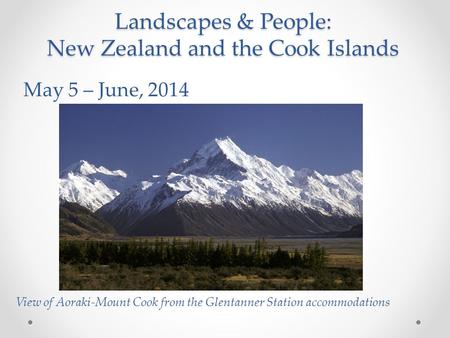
(221, 190)
(90, 186)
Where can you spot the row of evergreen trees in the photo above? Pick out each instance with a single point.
(193, 253)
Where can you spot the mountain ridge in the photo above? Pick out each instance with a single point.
(91, 186)
(76, 220)
(222, 181)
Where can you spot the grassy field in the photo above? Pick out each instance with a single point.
(343, 271)
(342, 252)
(124, 277)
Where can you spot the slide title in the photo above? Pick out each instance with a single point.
(293, 39)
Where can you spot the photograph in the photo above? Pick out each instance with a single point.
(210, 197)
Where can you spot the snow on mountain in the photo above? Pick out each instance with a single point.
(330, 194)
(90, 186)
(220, 173)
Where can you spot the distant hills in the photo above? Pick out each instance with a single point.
(76, 220)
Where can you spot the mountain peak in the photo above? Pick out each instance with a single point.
(82, 167)
(91, 186)
(85, 168)
(220, 156)
(224, 145)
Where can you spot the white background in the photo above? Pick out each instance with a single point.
(406, 158)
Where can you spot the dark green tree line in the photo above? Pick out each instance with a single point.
(192, 253)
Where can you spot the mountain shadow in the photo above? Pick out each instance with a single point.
(75, 220)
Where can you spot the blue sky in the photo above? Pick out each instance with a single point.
(147, 139)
